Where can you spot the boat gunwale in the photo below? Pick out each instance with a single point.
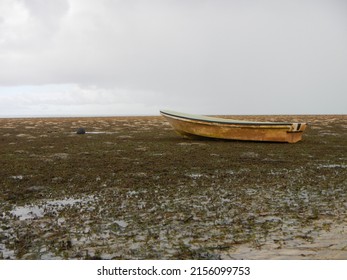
(215, 120)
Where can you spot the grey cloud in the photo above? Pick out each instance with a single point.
(217, 56)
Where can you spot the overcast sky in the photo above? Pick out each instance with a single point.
(128, 57)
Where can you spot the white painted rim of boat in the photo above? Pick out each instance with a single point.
(204, 119)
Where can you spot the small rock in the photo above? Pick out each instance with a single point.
(81, 130)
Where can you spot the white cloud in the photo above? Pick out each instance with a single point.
(205, 56)
(69, 99)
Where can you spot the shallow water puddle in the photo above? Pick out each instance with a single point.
(121, 223)
(28, 212)
(195, 175)
(332, 166)
(38, 211)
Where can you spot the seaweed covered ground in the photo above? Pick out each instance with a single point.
(130, 188)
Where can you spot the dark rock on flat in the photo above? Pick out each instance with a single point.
(81, 130)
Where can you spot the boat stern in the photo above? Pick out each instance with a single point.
(294, 134)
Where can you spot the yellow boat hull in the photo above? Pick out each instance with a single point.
(201, 126)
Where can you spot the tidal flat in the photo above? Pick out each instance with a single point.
(130, 188)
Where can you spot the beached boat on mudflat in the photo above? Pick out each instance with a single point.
(221, 128)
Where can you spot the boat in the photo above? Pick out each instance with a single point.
(222, 128)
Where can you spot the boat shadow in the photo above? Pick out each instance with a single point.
(218, 140)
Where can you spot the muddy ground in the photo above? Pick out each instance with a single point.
(130, 188)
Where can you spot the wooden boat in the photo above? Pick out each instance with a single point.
(221, 128)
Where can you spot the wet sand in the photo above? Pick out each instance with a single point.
(130, 188)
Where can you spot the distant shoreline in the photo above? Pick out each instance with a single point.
(144, 115)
